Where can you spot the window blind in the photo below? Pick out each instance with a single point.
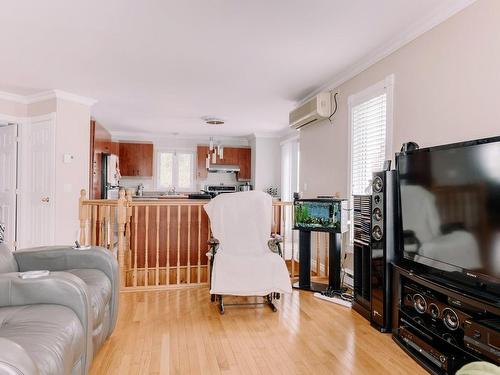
(368, 124)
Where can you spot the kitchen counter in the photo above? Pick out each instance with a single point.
(150, 197)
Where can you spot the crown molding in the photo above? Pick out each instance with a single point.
(12, 97)
(411, 33)
(47, 95)
(276, 134)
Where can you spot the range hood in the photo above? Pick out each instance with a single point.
(224, 168)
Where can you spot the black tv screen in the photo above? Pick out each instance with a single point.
(450, 208)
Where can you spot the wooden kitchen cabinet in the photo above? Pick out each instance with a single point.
(241, 156)
(201, 153)
(136, 159)
(245, 163)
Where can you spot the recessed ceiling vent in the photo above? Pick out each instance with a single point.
(213, 121)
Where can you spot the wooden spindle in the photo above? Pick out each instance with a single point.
(93, 226)
(128, 229)
(188, 263)
(112, 220)
(178, 244)
(121, 218)
(157, 272)
(146, 250)
(136, 219)
(168, 245)
(101, 214)
(199, 245)
(83, 216)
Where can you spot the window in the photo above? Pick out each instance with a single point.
(370, 120)
(176, 170)
(370, 117)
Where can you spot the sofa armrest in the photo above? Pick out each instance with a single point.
(62, 258)
(59, 288)
(14, 360)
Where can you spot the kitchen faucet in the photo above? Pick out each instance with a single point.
(140, 190)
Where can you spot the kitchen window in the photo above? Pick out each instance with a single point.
(370, 120)
(176, 170)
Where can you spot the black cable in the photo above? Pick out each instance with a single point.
(342, 292)
(336, 106)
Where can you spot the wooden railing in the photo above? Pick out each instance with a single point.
(162, 243)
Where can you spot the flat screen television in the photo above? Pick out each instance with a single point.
(450, 211)
(317, 214)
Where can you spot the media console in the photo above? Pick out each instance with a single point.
(443, 327)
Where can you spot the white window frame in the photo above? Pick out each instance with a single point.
(386, 86)
(175, 172)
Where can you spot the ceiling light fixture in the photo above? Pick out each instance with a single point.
(213, 121)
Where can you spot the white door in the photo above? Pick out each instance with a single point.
(8, 181)
(36, 220)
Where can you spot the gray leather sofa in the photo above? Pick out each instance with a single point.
(54, 324)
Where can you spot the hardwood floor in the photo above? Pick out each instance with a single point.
(181, 332)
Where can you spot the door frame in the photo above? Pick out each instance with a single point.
(13, 121)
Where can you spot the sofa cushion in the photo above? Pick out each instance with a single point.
(7, 261)
(51, 335)
(99, 289)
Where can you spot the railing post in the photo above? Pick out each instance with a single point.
(121, 218)
(82, 212)
(128, 245)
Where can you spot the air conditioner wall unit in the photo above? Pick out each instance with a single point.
(312, 111)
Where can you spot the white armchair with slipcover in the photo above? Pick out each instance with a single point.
(242, 259)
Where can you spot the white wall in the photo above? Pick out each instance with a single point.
(266, 162)
(446, 90)
(72, 137)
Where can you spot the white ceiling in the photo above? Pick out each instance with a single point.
(158, 66)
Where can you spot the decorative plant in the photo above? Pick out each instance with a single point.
(272, 191)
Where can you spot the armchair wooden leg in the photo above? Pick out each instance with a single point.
(212, 297)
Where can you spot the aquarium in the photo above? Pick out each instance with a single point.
(318, 215)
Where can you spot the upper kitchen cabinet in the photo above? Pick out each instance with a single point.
(232, 155)
(201, 153)
(136, 159)
(245, 163)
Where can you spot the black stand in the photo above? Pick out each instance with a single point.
(305, 263)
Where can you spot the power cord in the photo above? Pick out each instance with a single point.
(343, 291)
(336, 106)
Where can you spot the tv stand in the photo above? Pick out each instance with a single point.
(443, 325)
(465, 290)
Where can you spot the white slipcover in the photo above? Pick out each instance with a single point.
(244, 265)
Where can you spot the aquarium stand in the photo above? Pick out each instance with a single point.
(334, 264)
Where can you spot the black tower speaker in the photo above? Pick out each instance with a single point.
(384, 232)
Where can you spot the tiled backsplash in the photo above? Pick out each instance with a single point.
(217, 179)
